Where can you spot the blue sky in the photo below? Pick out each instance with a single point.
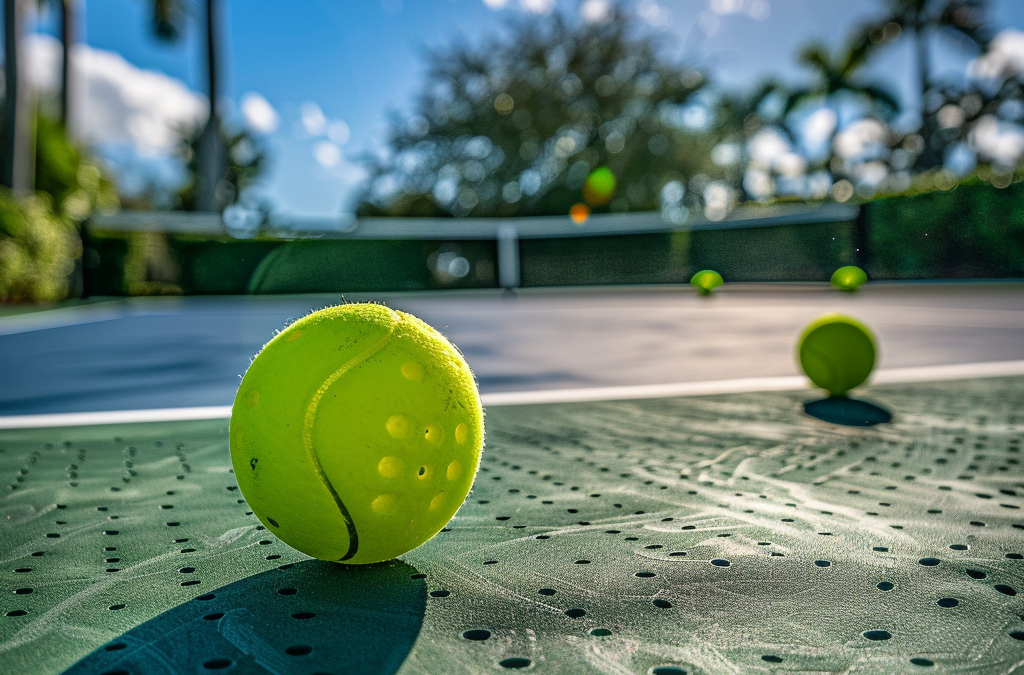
(358, 60)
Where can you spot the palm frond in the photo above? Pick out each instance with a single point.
(169, 19)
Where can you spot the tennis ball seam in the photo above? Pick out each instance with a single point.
(310, 418)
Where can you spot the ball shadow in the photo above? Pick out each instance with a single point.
(849, 412)
(313, 616)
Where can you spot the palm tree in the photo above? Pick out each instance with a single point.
(16, 150)
(169, 19)
(836, 75)
(68, 32)
(962, 21)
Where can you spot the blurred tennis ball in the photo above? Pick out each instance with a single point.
(579, 213)
(706, 281)
(837, 352)
(356, 433)
(849, 278)
(599, 186)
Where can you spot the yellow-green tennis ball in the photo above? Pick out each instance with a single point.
(849, 278)
(599, 186)
(837, 352)
(356, 433)
(706, 281)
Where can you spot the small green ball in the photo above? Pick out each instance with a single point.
(356, 433)
(837, 352)
(706, 281)
(599, 186)
(849, 278)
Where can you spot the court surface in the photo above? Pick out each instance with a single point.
(641, 532)
(185, 352)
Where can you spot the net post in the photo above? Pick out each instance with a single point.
(508, 256)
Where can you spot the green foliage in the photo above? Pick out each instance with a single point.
(38, 237)
(963, 23)
(37, 248)
(514, 125)
(75, 185)
(169, 18)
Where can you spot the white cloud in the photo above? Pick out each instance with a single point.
(722, 7)
(1004, 58)
(115, 102)
(327, 154)
(259, 115)
(537, 6)
(313, 120)
(653, 13)
(44, 53)
(338, 132)
(819, 125)
(859, 138)
(1001, 142)
(708, 23)
(495, 4)
(757, 10)
(596, 11)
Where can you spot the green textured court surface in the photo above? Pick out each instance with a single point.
(723, 534)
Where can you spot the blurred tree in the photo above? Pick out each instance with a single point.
(836, 77)
(961, 21)
(73, 182)
(37, 249)
(990, 108)
(738, 117)
(211, 155)
(66, 13)
(16, 148)
(38, 230)
(245, 162)
(68, 35)
(514, 125)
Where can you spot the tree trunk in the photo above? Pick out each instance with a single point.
(929, 158)
(67, 37)
(211, 164)
(16, 164)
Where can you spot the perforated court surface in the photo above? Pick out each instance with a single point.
(717, 534)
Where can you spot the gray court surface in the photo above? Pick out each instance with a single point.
(180, 352)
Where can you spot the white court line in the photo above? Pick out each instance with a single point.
(59, 318)
(959, 371)
(213, 412)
